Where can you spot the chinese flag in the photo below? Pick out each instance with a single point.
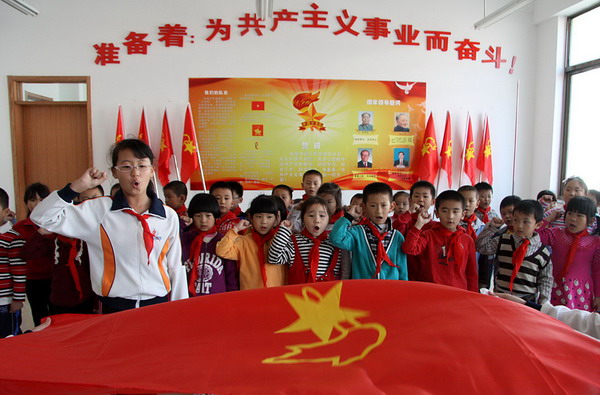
(447, 149)
(189, 148)
(120, 133)
(429, 163)
(258, 130)
(325, 337)
(258, 106)
(469, 154)
(484, 160)
(166, 152)
(143, 133)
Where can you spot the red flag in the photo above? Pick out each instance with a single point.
(258, 106)
(189, 148)
(447, 149)
(469, 154)
(120, 134)
(484, 160)
(166, 152)
(429, 163)
(143, 133)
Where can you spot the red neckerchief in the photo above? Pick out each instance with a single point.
(224, 218)
(517, 260)
(338, 214)
(455, 248)
(571, 254)
(237, 211)
(470, 230)
(382, 255)
(71, 261)
(314, 255)
(305, 196)
(181, 211)
(148, 236)
(485, 212)
(260, 241)
(195, 254)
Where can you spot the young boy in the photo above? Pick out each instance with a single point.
(446, 254)
(238, 198)
(175, 197)
(5, 213)
(224, 193)
(311, 182)
(422, 197)
(524, 265)
(484, 211)
(470, 222)
(376, 247)
(285, 193)
(356, 204)
(402, 202)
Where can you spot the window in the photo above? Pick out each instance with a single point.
(581, 128)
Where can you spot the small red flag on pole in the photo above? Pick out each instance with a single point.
(190, 155)
(469, 154)
(120, 133)
(484, 160)
(429, 162)
(143, 133)
(166, 152)
(447, 149)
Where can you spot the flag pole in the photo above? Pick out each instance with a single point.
(515, 142)
(462, 162)
(199, 158)
(480, 147)
(176, 168)
(150, 145)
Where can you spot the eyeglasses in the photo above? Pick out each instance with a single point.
(129, 168)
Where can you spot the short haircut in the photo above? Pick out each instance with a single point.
(531, 207)
(594, 194)
(263, 204)
(357, 196)
(236, 188)
(204, 203)
(334, 190)
(367, 151)
(510, 200)
(115, 188)
(401, 193)
(311, 201)
(36, 189)
(546, 192)
(312, 172)
(285, 188)
(468, 188)
(449, 195)
(365, 113)
(484, 186)
(582, 205)
(178, 188)
(3, 199)
(220, 185)
(280, 206)
(423, 184)
(375, 188)
(139, 148)
(577, 179)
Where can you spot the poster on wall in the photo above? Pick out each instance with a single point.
(265, 131)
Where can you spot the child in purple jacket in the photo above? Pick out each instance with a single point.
(207, 272)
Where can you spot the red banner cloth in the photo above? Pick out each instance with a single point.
(429, 163)
(356, 336)
(166, 152)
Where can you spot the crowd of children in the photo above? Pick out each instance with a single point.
(81, 252)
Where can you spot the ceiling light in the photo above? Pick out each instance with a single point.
(21, 6)
(501, 13)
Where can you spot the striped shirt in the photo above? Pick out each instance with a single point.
(12, 268)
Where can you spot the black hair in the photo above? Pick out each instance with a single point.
(138, 147)
(577, 179)
(582, 205)
(449, 195)
(204, 203)
(595, 195)
(236, 188)
(263, 204)
(423, 184)
(468, 188)
(510, 200)
(3, 199)
(179, 188)
(36, 189)
(280, 206)
(357, 196)
(484, 186)
(221, 185)
(284, 187)
(311, 201)
(375, 188)
(531, 207)
(115, 188)
(401, 193)
(312, 172)
(333, 189)
(546, 192)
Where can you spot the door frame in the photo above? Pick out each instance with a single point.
(17, 104)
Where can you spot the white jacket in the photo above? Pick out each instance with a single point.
(119, 263)
(580, 320)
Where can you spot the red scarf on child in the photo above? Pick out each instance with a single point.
(382, 255)
(148, 235)
(260, 241)
(181, 211)
(314, 254)
(485, 212)
(237, 211)
(470, 230)
(517, 260)
(572, 250)
(195, 250)
(455, 248)
(71, 261)
(338, 214)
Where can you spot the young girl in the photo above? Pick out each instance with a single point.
(133, 241)
(332, 194)
(572, 186)
(310, 255)
(38, 253)
(250, 250)
(207, 273)
(575, 257)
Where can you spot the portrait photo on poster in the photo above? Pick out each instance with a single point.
(365, 121)
(365, 159)
(402, 122)
(401, 158)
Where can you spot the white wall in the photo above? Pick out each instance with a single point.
(59, 42)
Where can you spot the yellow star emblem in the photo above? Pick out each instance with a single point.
(311, 114)
(428, 145)
(470, 151)
(448, 151)
(163, 146)
(488, 149)
(189, 145)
